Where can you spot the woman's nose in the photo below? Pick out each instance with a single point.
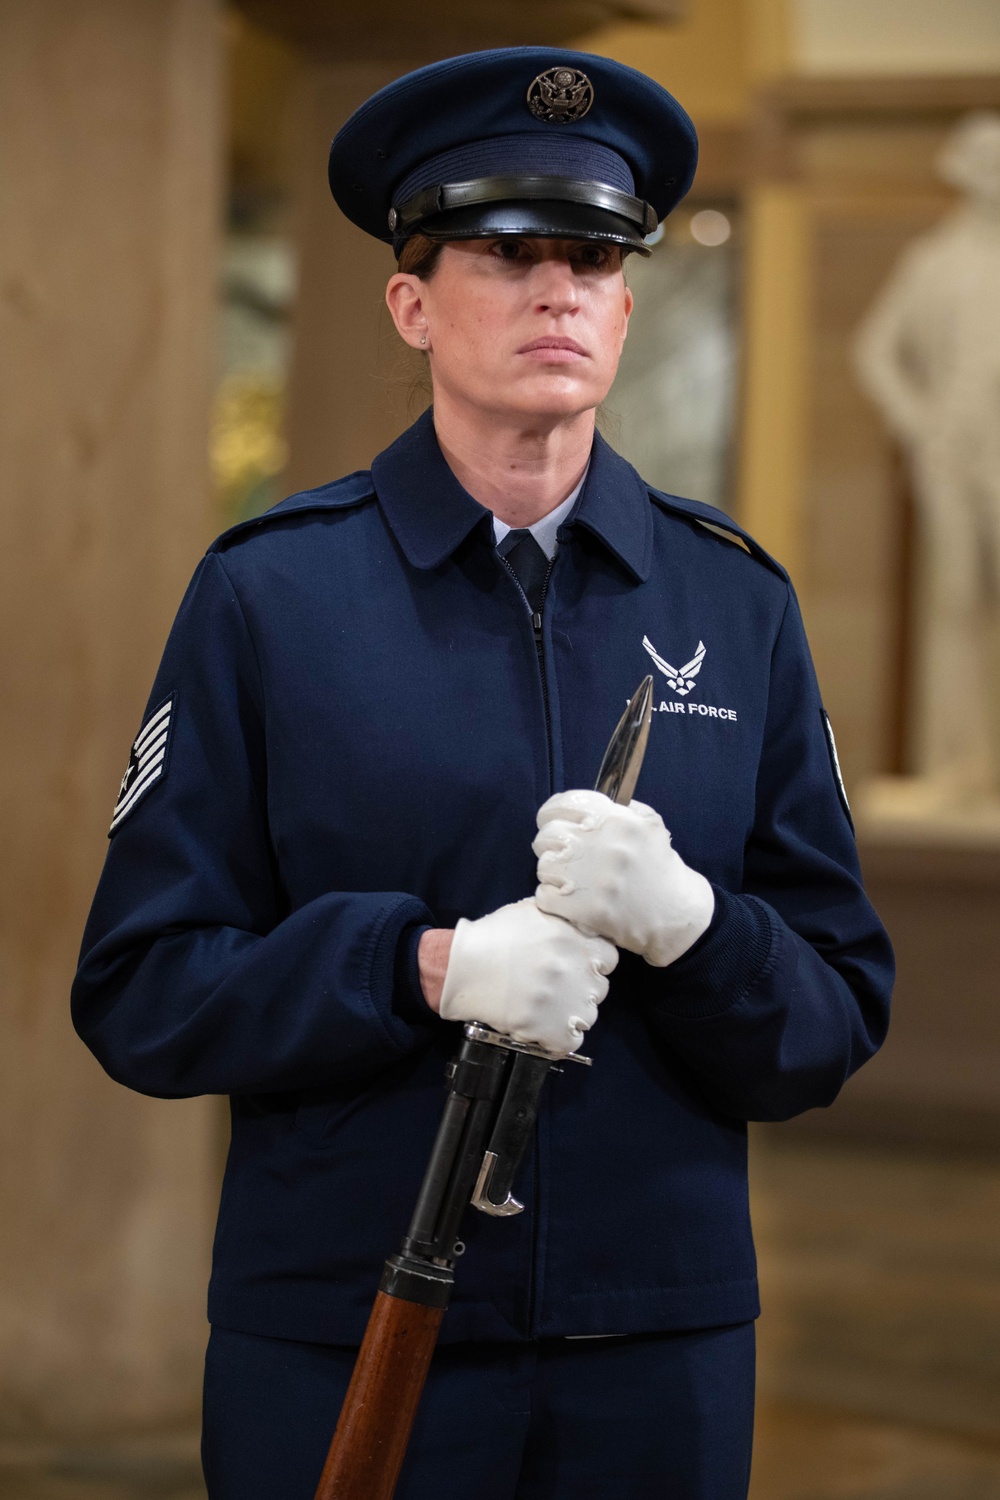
(557, 290)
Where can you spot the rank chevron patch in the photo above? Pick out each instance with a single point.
(146, 763)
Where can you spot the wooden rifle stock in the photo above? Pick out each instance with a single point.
(369, 1444)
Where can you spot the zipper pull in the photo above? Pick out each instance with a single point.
(536, 623)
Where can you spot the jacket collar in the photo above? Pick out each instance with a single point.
(614, 505)
(429, 511)
(431, 514)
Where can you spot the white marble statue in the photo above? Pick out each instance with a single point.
(929, 356)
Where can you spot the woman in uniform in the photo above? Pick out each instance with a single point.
(375, 698)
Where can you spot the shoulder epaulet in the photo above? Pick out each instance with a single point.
(720, 523)
(340, 495)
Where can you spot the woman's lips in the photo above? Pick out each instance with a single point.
(553, 350)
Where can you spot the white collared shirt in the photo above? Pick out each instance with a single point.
(544, 531)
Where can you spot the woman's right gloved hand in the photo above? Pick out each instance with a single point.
(529, 975)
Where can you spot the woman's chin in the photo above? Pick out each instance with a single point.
(552, 393)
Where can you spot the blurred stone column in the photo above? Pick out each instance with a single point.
(111, 132)
(776, 375)
(354, 386)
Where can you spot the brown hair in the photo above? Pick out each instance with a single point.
(419, 256)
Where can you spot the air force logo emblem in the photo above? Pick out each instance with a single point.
(682, 682)
(146, 763)
(681, 679)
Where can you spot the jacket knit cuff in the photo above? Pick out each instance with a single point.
(721, 967)
(408, 1001)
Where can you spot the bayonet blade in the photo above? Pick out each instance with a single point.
(623, 758)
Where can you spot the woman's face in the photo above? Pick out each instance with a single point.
(523, 328)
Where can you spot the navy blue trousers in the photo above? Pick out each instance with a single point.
(651, 1417)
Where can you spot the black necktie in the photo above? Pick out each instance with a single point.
(529, 563)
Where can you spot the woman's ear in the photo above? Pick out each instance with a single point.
(629, 304)
(404, 299)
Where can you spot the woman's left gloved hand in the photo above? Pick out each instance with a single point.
(613, 870)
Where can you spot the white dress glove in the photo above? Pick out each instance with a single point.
(531, 976)
(613, 870)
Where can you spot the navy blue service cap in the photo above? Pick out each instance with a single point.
(533, 141)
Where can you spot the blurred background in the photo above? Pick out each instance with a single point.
(188, 330)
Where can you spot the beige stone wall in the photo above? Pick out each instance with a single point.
(109, 200)
(354, 386)
(895, 36)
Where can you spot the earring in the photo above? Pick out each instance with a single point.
(423, 338)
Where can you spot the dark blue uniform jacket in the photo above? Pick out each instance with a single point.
(358, 735)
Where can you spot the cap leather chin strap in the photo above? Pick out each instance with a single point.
(434, 200)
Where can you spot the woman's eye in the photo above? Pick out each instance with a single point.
(595, 256)
(509, 250)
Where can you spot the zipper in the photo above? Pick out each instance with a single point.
(536, 625)
(536, 1203)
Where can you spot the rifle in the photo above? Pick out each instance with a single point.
(494, 1090)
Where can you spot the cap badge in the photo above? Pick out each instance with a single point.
(560, 96)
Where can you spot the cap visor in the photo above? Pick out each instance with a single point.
(538, 219)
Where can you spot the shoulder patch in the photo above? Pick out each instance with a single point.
(831, 745)
(147, 762)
